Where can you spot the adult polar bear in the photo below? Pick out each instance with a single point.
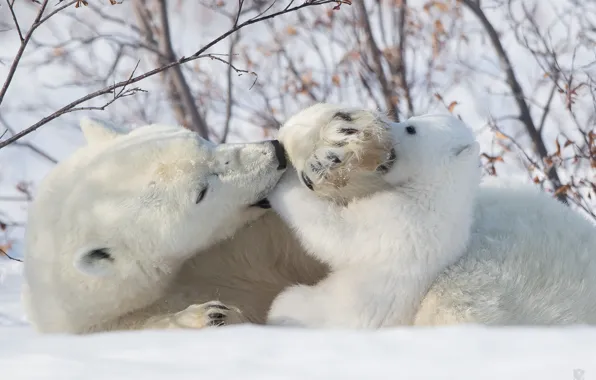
(115, 240)
(123, 234)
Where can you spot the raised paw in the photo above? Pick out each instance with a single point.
(351, 144)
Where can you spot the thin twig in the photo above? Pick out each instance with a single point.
(402, 56)
(14, 18)
(180, 61)
(9, 256)
(518, 93)
(36, 23)
(197, 122)
(26, 145)
(375, 55)
(230, 97)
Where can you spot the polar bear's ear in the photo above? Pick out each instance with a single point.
(95, 262)
(96, 131)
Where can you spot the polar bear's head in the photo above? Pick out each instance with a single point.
(432, 149)
(139, 201)
(344, 152)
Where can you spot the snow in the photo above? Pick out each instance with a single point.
(260, 353)
(251, 352)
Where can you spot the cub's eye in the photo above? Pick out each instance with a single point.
(410, 130)
(201, 195)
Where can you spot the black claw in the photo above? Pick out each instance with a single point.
(216, 323)
(384, 168)
(333, 158)
(216, 316)
(307, 181)
(392, 155)
(317, 168)
(219, 306)
(348, 131)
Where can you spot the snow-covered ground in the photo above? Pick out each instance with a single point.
(259, 353)
(249, 352)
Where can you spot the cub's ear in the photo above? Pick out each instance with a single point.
(468, 150)
(97, 262)
(96, 131)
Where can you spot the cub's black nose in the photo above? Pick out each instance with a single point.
(280, 153)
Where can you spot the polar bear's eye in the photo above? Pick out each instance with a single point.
(100, 254)
(411, 130)
(201, 195)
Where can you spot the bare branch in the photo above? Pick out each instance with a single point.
(24, 41)
(402, 56)
(9, 256)
(14, 18)
(26, 145)
(197, 55)
(230, 97)
(518, 93)
(375, 55)
(197, 122)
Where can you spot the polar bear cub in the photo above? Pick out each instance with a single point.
(384, 249)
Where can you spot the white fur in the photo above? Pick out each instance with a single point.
(529, 260)
(386, 249)
(134, 196)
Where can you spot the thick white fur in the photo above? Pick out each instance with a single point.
(386, 249)
(529, 259)
(170, 260)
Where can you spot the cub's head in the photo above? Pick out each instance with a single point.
(154, 195)
(433, 150)
(343, 152)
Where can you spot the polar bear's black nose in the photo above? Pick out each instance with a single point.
(280, 153)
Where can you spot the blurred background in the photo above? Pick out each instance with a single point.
(521, 73)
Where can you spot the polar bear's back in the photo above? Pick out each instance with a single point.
(531, 260)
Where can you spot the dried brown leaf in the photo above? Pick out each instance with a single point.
(439, 27)
(562, 190)
(335, 80)
(452, 106)
(500, 135)
(4, 248)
